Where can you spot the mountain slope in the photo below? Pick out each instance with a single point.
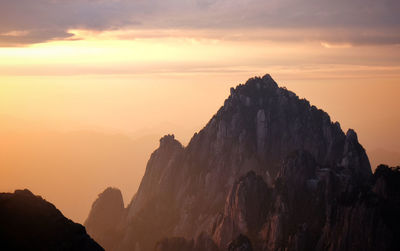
(27, 222)
(268, 165)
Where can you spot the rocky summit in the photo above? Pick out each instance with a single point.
(268, 172)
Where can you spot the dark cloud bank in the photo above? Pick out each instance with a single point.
(23, 22)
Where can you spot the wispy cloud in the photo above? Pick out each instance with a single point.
(23, 22)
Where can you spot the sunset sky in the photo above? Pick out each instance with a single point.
(150, 67)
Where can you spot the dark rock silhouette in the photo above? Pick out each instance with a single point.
(241, 243)
(371, 220)
(269, 168)
(27, 222)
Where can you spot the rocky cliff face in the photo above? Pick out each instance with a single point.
(369, 221)
(107, 210)
(27, 222)
(268, 172)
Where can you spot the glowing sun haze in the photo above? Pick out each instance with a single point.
(88, 86)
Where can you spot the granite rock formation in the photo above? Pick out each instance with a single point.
(106, 211)
(27, 222)
(268, 172)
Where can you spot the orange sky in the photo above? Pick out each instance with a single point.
(146, 69)
(104, 80)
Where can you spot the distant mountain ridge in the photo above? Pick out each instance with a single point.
(50, 158)
(268, 172)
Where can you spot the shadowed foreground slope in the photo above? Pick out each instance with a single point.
(27, 222)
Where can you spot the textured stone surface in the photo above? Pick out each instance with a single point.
(245, 209)
(269, 166)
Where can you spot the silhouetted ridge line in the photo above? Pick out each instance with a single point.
(27, 222)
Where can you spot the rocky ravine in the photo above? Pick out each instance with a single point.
(268, 172)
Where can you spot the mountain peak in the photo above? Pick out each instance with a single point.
(253, 89)
(24, 192)
(262, 154)
(351, 135)
(169, 140)
(106, 211)
(270, 122)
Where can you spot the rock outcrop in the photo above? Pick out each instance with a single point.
(369, 221)
(245, 209)
(27, 222)
(268, 172)
(106, 213)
